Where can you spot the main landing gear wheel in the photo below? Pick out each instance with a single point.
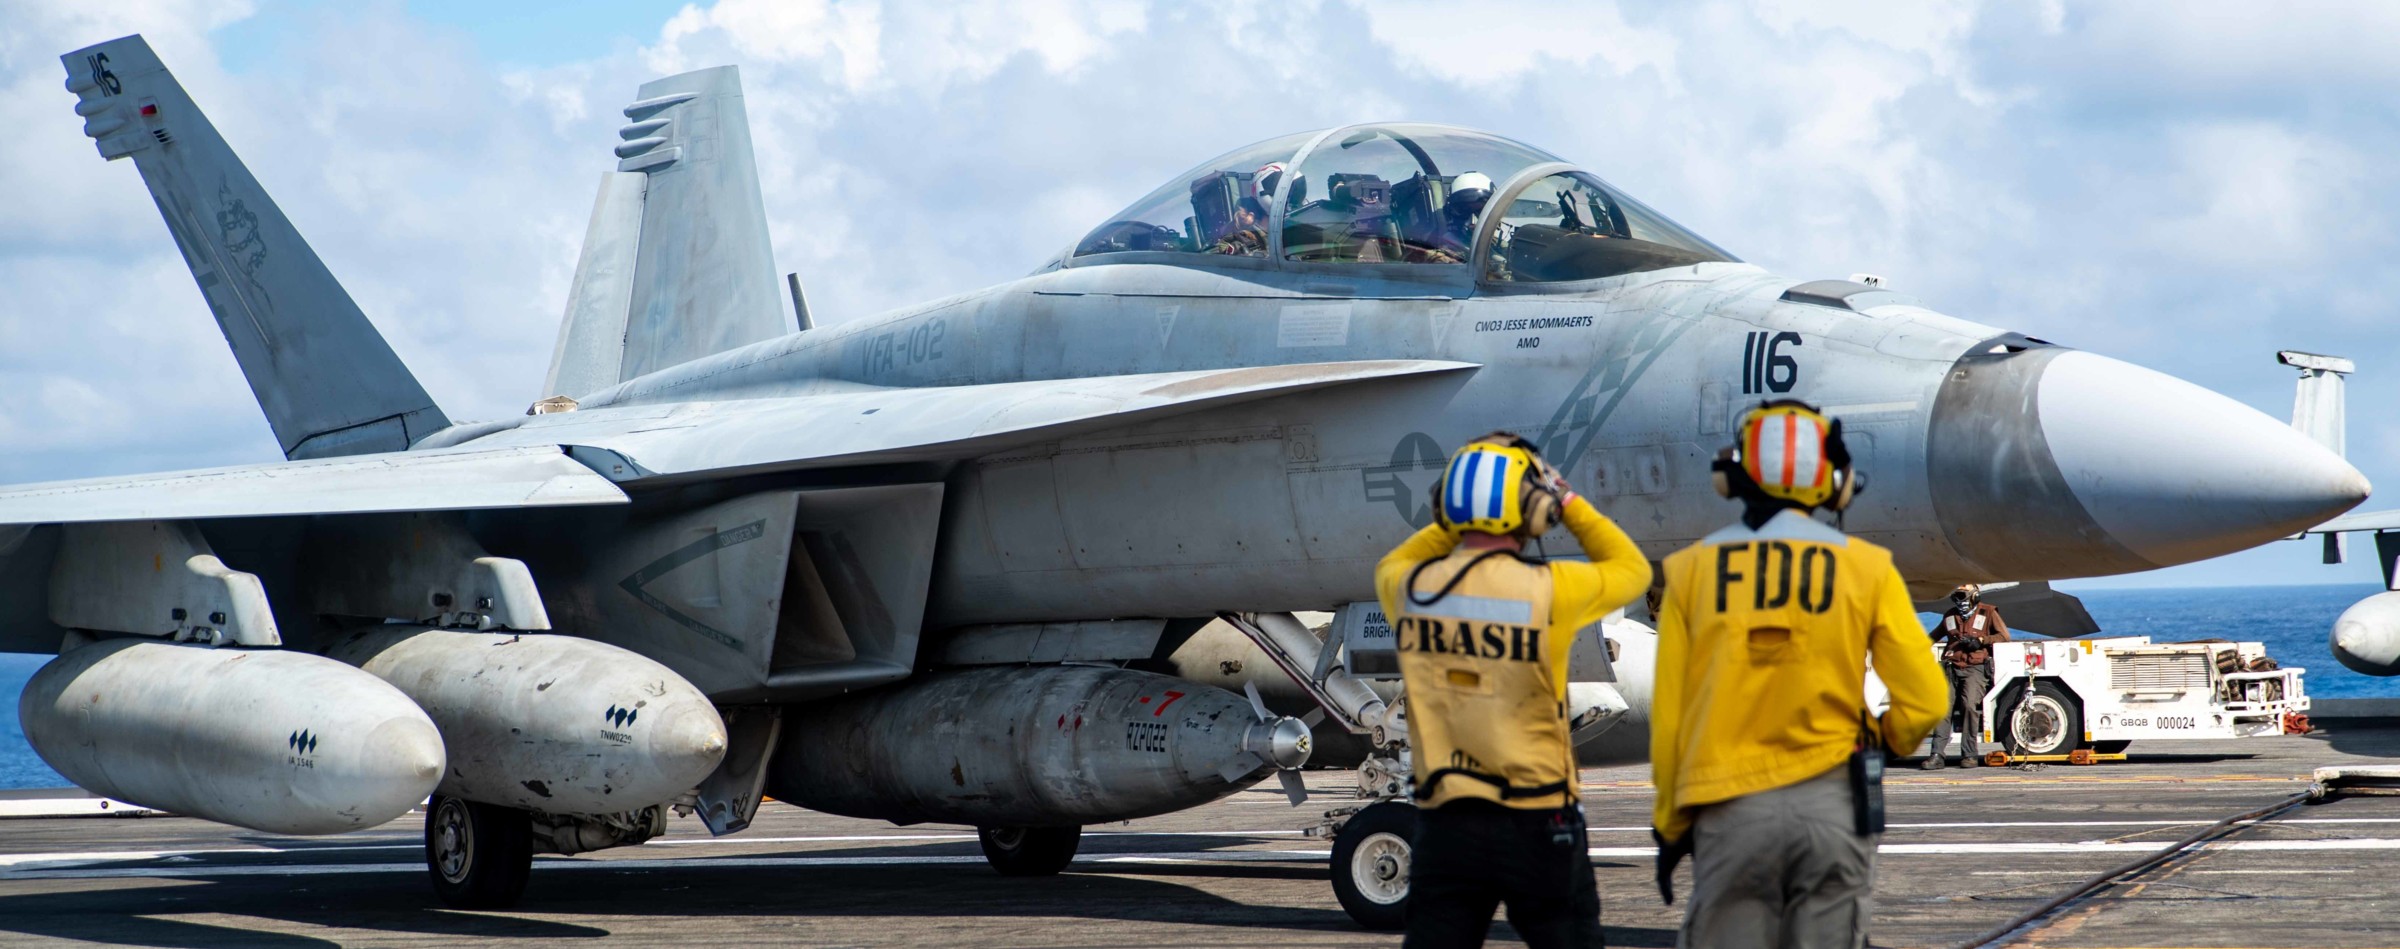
(1370, 864)
(479, 855)
(2044, 720)
(1029, 851)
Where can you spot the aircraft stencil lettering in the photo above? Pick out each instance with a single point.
(101, 76)
(926, 570)
(1765, 367)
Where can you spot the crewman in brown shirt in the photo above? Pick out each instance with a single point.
(1966, 633)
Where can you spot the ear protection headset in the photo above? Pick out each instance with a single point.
(1497, 484)
(1789, 451)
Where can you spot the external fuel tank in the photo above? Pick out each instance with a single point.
(284, 742)
(1028, 746)
(548, 722)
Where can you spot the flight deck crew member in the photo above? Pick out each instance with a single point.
(1483, 633)
(1761, 746)
(1967, 633)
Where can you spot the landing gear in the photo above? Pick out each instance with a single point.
(479, 855)
(1370, 864)
(2044, 720)
(1029, 851)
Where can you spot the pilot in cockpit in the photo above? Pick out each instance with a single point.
(1249, 234)
(1455, 240)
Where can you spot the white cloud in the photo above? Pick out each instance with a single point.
(2188, 186)
(2257, 193)
(1491, 45)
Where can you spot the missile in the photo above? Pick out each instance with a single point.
(2367, 635)
(1012, 746)
(283, 742)
(548, 722)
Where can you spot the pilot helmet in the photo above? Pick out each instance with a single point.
(1268, 177)
(1497, 484)
(1966, 593)
(1468, 192)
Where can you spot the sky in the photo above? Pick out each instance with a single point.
(2188, 186)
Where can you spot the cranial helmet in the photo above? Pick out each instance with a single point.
(1469, 191)
(1497, 484)
(1789, 451)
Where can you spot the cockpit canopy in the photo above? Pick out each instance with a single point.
(1401, 194)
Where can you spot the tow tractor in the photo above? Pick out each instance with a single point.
(2085, 700)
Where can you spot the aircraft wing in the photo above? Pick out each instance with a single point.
(2363, 521)
(531, 466)
(447, 479)
(872, 425)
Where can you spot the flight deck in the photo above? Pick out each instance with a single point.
(1968, 850)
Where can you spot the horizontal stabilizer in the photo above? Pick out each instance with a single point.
(448, 479)
(889, 426)
(2365, 521)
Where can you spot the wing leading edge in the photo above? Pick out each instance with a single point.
(699, 440)
(446, 479)
(531, 466)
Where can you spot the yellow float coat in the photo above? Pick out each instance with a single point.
(1486, 666)
(1763, 642)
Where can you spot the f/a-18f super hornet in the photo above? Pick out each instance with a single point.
(927, 565)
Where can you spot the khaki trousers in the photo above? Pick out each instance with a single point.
(1781, 869)
(1968, 685)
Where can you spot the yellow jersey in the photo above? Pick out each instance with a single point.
(1763, 643)
(1486, 664)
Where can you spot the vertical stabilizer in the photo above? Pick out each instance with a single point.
(328, 383)
(2320, 411)
(2318, 407)
(704, 272)
(591, 340)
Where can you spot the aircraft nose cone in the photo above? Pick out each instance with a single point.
(2178, 473)
(2056, 463)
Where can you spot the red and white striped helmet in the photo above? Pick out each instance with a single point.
(1783, 450)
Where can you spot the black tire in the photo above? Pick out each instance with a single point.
(1029, 851)
(1370, 864)
(479, 855)
(2111, 747)
(2043, 720)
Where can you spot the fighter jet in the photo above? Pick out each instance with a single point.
(2366, 637)
(926, 565)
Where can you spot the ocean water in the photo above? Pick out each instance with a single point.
(2292, 621)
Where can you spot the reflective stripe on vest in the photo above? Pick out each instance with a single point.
(1484, 672)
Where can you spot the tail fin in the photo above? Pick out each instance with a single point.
(2318, 407)
(679, 266)
(328, 383)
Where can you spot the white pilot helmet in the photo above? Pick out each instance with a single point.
(1468, 192)
(1268, 177)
